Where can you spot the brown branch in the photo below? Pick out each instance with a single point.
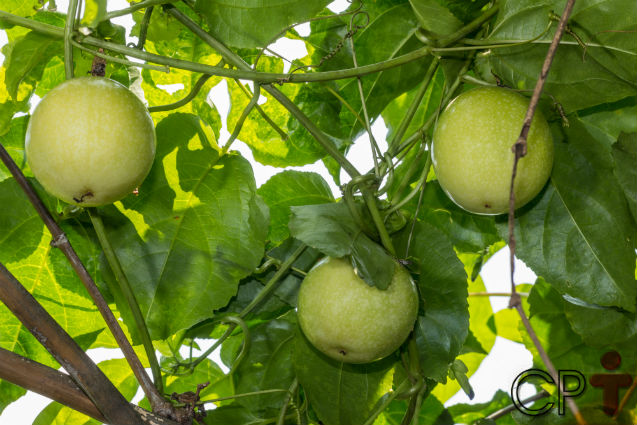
(59, 387)
(77, 363)
(60, 241)
(46, 381)
(519, 149)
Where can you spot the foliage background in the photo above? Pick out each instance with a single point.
(583, 303)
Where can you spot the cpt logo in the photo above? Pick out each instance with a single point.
(576, 384)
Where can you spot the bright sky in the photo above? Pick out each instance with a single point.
(506, 359)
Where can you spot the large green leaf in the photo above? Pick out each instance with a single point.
(612, 119)
(442, 328)
(26, 58)
(267, 365)
(605, 72)
(565, 348)
(287, 189)
(340, 393)
(579, 234)
(196, 228)
(241, 23)
(331, 229)
(45, 272)
(600, 326)
(26, 251)
(625, 156)
(435, 17)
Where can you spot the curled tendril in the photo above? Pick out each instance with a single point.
(352, 29)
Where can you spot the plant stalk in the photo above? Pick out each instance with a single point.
(68, 38)
(129, 295)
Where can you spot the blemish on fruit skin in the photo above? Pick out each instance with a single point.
(81, 198)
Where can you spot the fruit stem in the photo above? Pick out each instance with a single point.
(409, 115)
(68, 34)
(127, 291)
(246, 111)
(288, 398)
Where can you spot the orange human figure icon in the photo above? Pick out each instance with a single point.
(611, 382)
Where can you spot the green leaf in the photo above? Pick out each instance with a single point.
(274, 136)
(605, 72)
(46, 273)
(625, 156)
(21, 7)
(612, 119)
(331, 229)
(9, 393)
(442, 328)
(435, 17)
(579, 234)
(287, 189)
(241, 23)
(233, 414)
(26, 58)
(56, 413)
(565, 348)
(267, 364)
(468, 232)
(13, 142)
(458, 371)
(196, 228)
(599, 326)
(340, 393)
(94, 12)
(430, 410)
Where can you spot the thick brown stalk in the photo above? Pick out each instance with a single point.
(61, 241)
(46, 381)
(58, 386)
(108, 400)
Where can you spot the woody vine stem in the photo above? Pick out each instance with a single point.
(520, 149)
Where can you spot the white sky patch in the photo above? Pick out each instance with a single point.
(289, 49)
(171, 88)
(338, 6)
